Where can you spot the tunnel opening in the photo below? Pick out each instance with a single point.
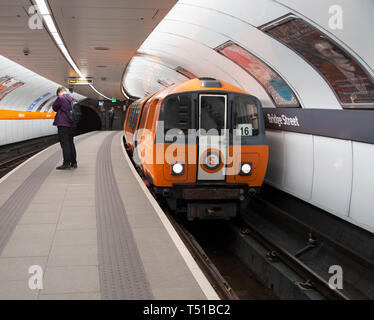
(90, 121)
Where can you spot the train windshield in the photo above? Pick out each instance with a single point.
(177, 111)
(212, 113)
(245, 116)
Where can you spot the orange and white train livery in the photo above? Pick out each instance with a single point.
(201, 145)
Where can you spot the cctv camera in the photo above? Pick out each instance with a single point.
(26, 52)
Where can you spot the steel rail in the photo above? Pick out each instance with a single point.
(219, 284)
(318, 235)
(318, 283)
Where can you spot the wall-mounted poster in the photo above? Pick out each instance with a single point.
(351, 83)
(185, 72)
(274, 85)
(45, 103)
(164, 82)
(7, 85)
(37, 101)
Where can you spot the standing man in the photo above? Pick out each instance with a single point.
(111, 117)
(65, 129)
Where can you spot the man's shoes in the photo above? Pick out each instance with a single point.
(73, 165)
(63, 167)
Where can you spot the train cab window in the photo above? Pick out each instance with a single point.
(212, 112)
(177, 113)
(245, 116)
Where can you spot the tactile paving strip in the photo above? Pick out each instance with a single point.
(13, 208)
(121, 270)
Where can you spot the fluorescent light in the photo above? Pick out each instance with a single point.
(44, 11)
(81, 74)
(42, 7)
(64, 50)
(50, 24)
(57, 38)
(124, 92)
(94, 89)
(70, 60)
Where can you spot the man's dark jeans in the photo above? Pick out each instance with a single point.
(66, 137)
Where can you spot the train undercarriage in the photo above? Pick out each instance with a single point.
(207, 201)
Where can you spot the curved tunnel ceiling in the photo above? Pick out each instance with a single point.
(190, 33)
(88, 28)
(28, 90)
(186, 38)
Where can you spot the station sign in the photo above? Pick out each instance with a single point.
(80, 81)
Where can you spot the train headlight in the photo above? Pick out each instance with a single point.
(177, 169)
(245, 169)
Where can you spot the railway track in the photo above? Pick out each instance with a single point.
(10, 164)
(13, 155)
(309, 279)
(308, 248)
(276, 253)
(221, 286)
(296, 252)
(285, 251)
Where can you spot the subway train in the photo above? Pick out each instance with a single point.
(201, 146)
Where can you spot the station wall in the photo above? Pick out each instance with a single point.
(29, 93)
(333, 174)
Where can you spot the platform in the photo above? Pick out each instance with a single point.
(96, 231)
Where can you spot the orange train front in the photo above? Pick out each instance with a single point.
(201, 145)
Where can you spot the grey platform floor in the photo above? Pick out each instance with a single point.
(57, 229)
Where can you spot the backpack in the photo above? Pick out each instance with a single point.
(75, 113)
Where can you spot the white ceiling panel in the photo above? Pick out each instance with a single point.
(107, 13)
(192, 25)
(254, 12)
(119, 25)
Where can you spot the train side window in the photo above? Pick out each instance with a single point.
(144, 114)
(177, 113)
(245, 116)
(132, 118)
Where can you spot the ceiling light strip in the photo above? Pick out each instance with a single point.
(124, 93)
(47, 17)
(94, 89)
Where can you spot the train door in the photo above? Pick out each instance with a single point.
(212, 137)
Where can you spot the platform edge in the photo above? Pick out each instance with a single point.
(199, 276)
